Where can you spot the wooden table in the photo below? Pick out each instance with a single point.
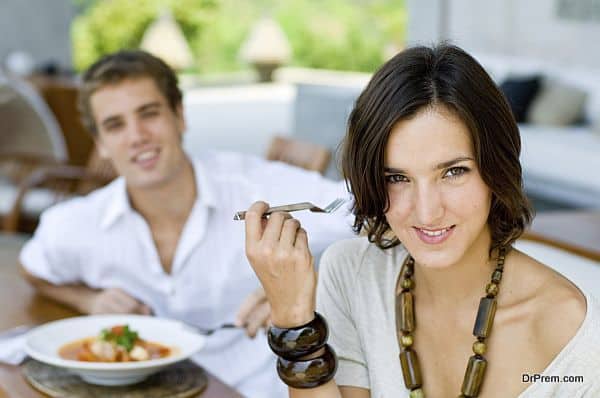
(576, 231)
(20, 305)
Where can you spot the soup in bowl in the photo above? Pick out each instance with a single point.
(113, 349)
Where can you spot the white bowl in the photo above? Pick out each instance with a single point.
(43, 343)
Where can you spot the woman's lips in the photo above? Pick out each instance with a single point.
(434, 236)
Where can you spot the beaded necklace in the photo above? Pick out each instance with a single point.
(405, 326)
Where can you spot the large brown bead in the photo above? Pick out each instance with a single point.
(474, 376)
(405, 312)
(485, 317)
(411, 370)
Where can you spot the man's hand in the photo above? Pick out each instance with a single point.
(254, 313)
(115, 301)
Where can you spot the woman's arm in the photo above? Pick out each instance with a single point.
(278, 251)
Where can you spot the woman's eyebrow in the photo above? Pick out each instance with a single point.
(442, 165)
(449, 163)
(393, 170)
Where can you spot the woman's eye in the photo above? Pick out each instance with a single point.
(456, 172)
(395, 178)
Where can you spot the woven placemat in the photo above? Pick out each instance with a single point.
(182, 380)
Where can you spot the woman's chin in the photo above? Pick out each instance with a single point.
(434, 263)
(438, 259)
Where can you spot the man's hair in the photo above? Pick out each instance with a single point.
(126, 64)
(413, 80)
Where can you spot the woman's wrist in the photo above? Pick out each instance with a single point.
(292, 319)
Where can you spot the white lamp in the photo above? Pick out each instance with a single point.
(266, 48)
(165, 39)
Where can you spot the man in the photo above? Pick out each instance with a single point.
(161, 238)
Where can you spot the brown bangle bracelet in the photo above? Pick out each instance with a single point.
(294, 343)
(309, 373)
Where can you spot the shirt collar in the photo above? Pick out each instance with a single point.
(118, 204)
(119, 201)
(204, 185)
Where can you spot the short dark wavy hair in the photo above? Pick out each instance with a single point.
(421, 77)
(125, 64)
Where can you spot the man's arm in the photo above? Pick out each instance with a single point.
(87, 300)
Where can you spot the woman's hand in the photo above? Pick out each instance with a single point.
(277, 249)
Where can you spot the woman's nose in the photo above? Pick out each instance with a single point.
(428, 206)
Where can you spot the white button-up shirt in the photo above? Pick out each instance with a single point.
(101, 241)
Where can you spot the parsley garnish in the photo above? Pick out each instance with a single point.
(120, 335)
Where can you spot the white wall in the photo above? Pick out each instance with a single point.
(39, 27)
(529, 28)
(239, 118)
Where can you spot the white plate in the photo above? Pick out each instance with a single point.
(43, 343)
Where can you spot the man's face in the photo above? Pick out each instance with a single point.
(139, 132)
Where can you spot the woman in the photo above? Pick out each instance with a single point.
(432, 158)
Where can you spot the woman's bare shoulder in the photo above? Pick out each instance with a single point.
(558, 306)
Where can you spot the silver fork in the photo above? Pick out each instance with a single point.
(330, 208)
(208, 332)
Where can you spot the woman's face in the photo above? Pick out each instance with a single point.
(439, 204)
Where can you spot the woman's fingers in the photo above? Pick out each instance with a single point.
(254, 221)
(272, 232)
(279, 254)
(288, 233)
(301, 242)
(303, 255)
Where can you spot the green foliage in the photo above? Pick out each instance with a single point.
(332, 34)
(109, 25)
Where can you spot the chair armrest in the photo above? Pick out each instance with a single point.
(60, 179)
(573, 248)
(17, 166)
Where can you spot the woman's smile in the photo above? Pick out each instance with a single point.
(434, 236)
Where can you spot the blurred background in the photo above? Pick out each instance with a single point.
(268, 77)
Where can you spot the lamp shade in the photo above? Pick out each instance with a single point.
(266, 44)
(165, 39)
